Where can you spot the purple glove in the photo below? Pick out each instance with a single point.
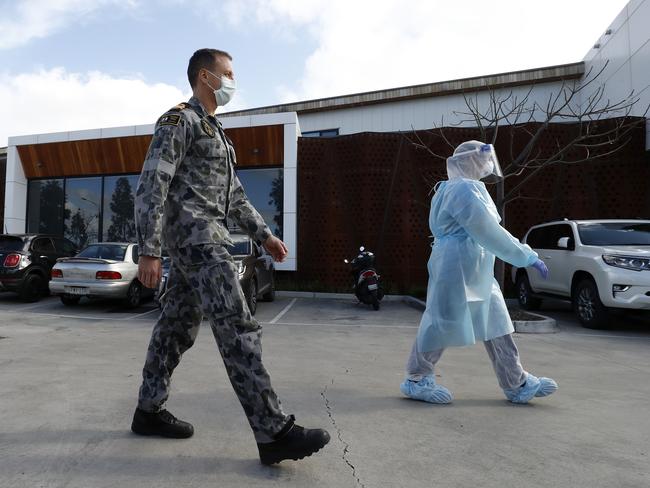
(540, 266)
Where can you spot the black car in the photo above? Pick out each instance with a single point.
(255, 266)
(26, 261)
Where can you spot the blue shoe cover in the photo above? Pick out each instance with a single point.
(548, 387)
(426, 390)
(524, 393)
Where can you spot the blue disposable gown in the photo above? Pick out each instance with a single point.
(464, 301)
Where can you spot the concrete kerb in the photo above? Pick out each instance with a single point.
(545, 325)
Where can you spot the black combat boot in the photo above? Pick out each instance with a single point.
(293, 442)
(160, 423)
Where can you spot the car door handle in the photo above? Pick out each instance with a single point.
(547, 257)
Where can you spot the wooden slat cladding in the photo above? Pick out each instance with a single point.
(258, 146)
(255, 146)
(90, 157)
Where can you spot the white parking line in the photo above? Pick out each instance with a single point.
(89, 317)
(371, 326)
(145, 313)
(284, 310)
(610, 336)
(43, 304)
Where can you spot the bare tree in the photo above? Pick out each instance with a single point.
(580, 105)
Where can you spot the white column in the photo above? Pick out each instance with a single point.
(15, 194)
(290, 203)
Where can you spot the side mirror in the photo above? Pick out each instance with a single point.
(563, 242)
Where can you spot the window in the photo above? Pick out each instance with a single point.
(547, 237)
(45, 204)
(240, 248)
(265, 190)
(114, 252)
(43, 244)
(321, 133)
(118, 220)
(11, 243)
(135, 257)
(615, 234)
(82, 208)
(535, 238)
(64, 246)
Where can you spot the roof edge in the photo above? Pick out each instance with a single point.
(478, 83)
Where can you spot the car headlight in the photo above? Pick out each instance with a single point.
(627, 262)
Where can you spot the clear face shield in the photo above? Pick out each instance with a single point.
(475, 160)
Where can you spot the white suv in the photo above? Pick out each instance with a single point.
(597, 264)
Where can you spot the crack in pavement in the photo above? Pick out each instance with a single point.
(346, 446)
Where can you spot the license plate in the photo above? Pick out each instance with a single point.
(372, 287)
(76, 290)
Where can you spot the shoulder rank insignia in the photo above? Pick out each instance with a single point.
(179, 107)
(169, 119)
(207, 128)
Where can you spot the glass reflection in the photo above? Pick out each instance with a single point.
(118, 220)
(82, 208)
(45, 203)
(265, 190)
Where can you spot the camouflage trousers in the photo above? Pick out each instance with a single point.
(204, 282)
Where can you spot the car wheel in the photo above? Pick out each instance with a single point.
(269, 296)
(524, 294)
(32, 289)
(252, 296)
(587, 305)
(133, 295)
(70, 301)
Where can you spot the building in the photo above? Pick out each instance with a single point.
(80, 184)
(350, 179)
(3, 171)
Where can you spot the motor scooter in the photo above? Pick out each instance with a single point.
(367, 285)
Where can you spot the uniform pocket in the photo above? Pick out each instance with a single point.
(223, 298)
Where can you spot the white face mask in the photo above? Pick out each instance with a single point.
(224, 94)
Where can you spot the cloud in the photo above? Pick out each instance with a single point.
(56, 100)
(369, 45)
(32, 19)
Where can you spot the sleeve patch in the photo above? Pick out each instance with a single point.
(169, 119)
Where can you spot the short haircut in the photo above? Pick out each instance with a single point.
(203, 59)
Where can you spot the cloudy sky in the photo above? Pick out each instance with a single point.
(81, 64)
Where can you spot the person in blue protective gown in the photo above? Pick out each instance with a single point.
(464, 301)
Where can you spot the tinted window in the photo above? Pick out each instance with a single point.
(321, 133)
(119, 220)
(240, 248)
(43, 245)
(104, 251)
(64, 246)
(535, 238)
(265, 190)
(45, 207)
(82, 206)
(547, 237)
(11, 243)
(134, 254)
(615, 234)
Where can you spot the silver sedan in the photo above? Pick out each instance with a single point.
(103, 270)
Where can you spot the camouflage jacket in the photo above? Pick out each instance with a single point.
(188, 185)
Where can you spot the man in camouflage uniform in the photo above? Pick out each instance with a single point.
(187, 190)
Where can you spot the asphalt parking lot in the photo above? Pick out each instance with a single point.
(69, 379)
